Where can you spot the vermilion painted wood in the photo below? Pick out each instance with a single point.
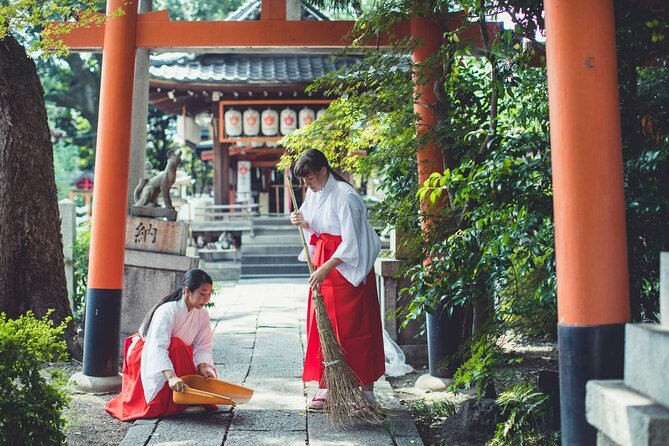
(112, 159)
(590, 238)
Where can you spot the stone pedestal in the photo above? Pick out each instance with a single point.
(412, 344)
(150, 234)
(155, 263)
(635, 411)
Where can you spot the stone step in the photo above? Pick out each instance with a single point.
(624, 416)
(275, 228)
(647, 360)
(270, 258)
(261, 249)
(271, 239)
(271, 276)
(274, 270)
(223, 271)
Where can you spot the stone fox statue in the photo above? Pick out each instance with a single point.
(147, 191)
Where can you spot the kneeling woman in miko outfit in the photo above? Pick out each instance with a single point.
(344, 249)
(175, 339)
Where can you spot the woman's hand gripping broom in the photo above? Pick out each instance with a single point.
(346, 402)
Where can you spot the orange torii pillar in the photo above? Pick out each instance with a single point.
(441, 345)
(106, 257)
(588, 196)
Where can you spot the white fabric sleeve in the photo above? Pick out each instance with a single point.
(351, 222)
(155, 357)
(158, 340)
(360, 243)
(203, 342)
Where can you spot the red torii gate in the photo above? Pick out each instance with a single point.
(593, 303)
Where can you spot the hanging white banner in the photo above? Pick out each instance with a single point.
(244, 176)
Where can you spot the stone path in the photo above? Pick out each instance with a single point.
(259, 343)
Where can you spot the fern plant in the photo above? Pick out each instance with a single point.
(525, 406)
(480, 369)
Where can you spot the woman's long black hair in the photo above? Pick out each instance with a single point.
(314, 160)
(193, 279)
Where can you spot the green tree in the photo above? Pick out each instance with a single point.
(32, 274)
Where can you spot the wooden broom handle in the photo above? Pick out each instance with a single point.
(289, 185)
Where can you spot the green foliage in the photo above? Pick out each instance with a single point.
(522, 304)
(432, 412)
(19, 16)
(647, 189)
(65, 160)
(503, 205)
(30, 406)
(80, 263)
(197, 9)
(480, 370)
(524, 407)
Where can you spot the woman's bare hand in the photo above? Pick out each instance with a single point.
(317, 277)
(297, 218)
(177, 384)
(206, 370)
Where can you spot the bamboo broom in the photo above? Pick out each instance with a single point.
(344, 387)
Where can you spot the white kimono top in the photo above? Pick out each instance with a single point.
(339, 210)
(172, 319)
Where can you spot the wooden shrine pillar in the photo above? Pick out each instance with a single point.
(588, 196)
(107, 248)
(430, 158)
(443, 331)
(221, 161)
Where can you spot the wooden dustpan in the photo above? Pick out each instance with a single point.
(214, 391)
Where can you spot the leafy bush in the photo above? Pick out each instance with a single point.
(30, 406)
(479, 371)
(80, 262)
(525, 406)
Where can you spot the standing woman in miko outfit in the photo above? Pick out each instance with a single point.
(344, 247)
(175, 339)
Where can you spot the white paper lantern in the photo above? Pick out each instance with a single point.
(288, 121)
(251, 122)
(233, 122)
(269, 122)
(320, 113)
(307, 116)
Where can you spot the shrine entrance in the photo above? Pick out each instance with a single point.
(593, 304)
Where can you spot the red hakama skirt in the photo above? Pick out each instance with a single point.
(131, 404)
(355, 316)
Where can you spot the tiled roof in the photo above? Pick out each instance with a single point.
(247, 68)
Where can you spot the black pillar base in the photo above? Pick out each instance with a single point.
(102, 332)
(585, 353)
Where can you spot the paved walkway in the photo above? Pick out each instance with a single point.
(259, 342)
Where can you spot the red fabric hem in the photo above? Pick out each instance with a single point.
(131, 404)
